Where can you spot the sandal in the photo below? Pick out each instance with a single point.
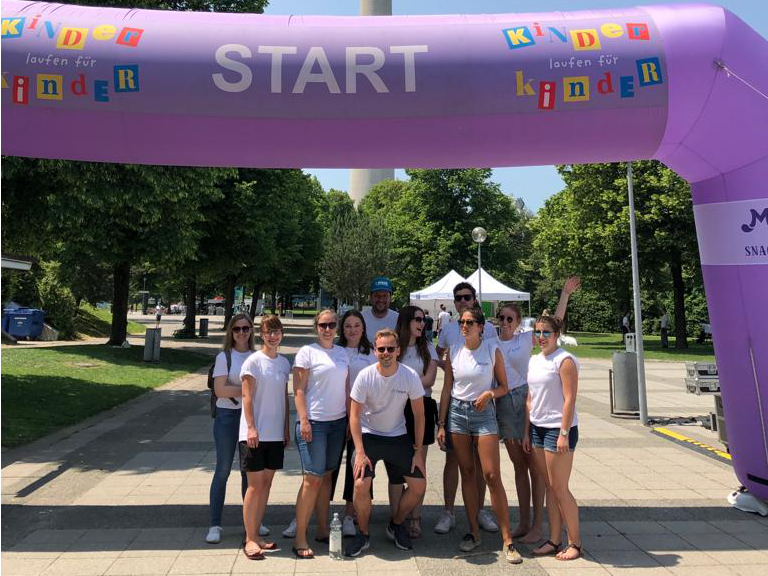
(564, 559)
(555, 549)
(303, 553)
(415, 529)
(258, 555)
(268, 547)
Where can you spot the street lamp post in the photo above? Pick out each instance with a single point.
(479, 235)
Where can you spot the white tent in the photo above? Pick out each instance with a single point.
(495, 291)
(440, 290)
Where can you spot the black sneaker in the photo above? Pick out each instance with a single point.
(398, 533)
(359, 543)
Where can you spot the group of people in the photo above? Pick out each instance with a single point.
(369, 393)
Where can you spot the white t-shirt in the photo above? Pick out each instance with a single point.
(517, 353)
(546, 389)
(451, 336)
(326, 392)
(443, 319)
(413, 360)
(233, 378)
(473, 369)
(271, 375)
(384, 397)
(373, 324)
(358, 361)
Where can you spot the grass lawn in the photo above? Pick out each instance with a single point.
(96, 323)
(45, 389)
(596, 345)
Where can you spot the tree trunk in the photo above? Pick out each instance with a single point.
(189, 301)
(121, 289)
(678, 292)
(274, 301)
(254, 300)
(229, 299)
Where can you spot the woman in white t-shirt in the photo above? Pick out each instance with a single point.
(419, 354)
(516, 347)
(553, 380)
(263, 429)
(321, 394)
(466, 409)
(238, 345)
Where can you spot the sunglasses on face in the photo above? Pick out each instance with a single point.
(503, 318)
(418, 319)
(238, 329)
(543, 333)
(327, 325)
(467, 323)
(382, 349)
(465, 297)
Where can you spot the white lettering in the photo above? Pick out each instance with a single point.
(246, 77)
(409, 57)
(367, 70)
(316, 55)
(277, 64)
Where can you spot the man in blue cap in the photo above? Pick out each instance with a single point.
(380, 316)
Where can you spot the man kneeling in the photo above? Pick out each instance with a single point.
(377, 423)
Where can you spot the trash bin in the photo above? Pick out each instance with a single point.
(625, 393)
(203, 327)
(152, 345)
(24, 322)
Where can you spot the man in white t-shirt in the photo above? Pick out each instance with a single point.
(464, 298)
(443, 318)
(377, 423)
(380, 316)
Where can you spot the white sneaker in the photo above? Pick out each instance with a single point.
(468, 543)
(486, 521)
(445, 523)
(290, 532)
(214, 535)
(264, 531)
(348, 527)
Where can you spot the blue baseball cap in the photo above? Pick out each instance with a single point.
(381, 283)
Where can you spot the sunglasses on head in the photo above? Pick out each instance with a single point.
(382, 349)
(503, 318)
(327, 325)
(465, 297)
(543, 333)
(243, 329)
(418, 319)
(467, 322)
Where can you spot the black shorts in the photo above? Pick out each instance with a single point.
(430, 420)
(267, 456)
(397, 454)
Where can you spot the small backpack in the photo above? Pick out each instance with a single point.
(228, 354)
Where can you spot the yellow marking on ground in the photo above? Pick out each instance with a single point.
(681, 438)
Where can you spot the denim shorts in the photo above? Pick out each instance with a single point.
(464, 418)
(546, 438)
(510, 413)
(323, 454)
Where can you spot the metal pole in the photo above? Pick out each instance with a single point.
(638, 314)
(479, 275)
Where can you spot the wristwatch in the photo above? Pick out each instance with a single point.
(563, 432)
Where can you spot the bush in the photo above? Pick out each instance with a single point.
(57, 301)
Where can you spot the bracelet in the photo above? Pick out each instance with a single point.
(441, 424)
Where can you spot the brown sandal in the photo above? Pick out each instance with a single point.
(555, 549)
(259, 555)
(575, 547)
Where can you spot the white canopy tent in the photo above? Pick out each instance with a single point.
(495, 291)
(441, 292)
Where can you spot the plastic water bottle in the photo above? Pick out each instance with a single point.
(334, 543)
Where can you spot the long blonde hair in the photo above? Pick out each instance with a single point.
(229, 339)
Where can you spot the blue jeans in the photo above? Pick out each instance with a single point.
(323, 454)
(226, 432)
(464, 418)
(546, 438)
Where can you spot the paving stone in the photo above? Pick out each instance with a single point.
(141, 566)
(78, 567)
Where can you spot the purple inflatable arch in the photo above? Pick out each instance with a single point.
(678, 83)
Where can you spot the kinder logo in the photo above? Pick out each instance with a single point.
(69, 37)
(755, 218)
(580, 38)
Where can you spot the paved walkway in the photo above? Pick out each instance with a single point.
(127, 494)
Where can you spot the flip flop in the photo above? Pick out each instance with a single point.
(575, 547)
(308, 554)
(253, 555)
(269, 547)
(555, 549)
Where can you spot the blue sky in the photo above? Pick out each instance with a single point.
(533, 184)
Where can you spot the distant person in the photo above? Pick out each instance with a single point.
(443, 319)
(429, 324)
(704, 333)
(158, 315)
(664, 325)
(624, 325)
(380, 316)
